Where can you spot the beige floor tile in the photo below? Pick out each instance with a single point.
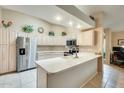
(112, 77)
(26, 77)
(89, 85)
(30, 85)
(110, 86)
(12, 83)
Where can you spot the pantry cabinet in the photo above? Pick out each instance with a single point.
(1, 58)
(4, 37)
(12, 38)
(12, 58)
(87, 38)
(5, 61)
(7, 51)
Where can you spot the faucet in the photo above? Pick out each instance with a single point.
(73, 49)
(76, 51)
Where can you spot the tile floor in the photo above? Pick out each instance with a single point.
(112, 77)
(26, 79)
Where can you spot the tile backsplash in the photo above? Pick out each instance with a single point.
(62, 48)
(52, 48)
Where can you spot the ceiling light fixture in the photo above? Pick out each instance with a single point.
(78, 26)
(58, 18)
(70, 23)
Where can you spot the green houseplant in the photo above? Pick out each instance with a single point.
(28, 28)
(51, 33)
(64, 33)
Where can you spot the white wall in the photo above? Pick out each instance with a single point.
(20, 19)
(115, 37)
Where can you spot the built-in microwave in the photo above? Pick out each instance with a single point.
(71, 42)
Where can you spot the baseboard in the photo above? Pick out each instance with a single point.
(7, 73)
(88, 80)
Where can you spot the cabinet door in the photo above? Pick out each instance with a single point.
(5, 37)
(0, 36)
(12, 38)
(12, 58)
(87, 38)
(1, 59)
(5, 54)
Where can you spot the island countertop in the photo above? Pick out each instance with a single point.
(54, 65)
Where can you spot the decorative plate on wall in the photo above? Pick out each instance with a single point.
(40, 30)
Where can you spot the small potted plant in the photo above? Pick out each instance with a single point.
(51, 33)
(64, 33)
(28, 28)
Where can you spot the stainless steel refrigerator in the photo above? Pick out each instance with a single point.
(26, 53)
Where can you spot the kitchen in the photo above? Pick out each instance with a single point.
(51, 33)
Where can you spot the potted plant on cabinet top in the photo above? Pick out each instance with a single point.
(64, 33)
(28, 28)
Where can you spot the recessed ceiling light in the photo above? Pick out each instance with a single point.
(70, 23)
(78, 26)
(58, 18)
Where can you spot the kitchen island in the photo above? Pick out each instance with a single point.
(66, 72)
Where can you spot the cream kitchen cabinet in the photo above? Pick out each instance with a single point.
(7, 51)
(86, 38)
(0, 36)
(12, 38)
(4, 37)
(12, 58)
(52, 40)
(4, 50)
(1, 57)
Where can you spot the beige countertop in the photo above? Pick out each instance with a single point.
(54, 65)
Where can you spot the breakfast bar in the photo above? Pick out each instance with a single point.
(67, 71)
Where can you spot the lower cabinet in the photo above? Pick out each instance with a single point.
(7, 58)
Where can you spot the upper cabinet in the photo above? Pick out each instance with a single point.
(4, 37)
(86, 38)
(7, 37)
(52, 40)
(12, 38)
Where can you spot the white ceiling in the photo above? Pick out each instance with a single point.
(113, 15)
(49, 13)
